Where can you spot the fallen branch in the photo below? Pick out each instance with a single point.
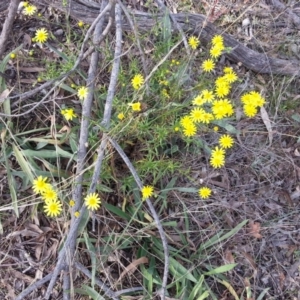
(6, 30)
(195, 24)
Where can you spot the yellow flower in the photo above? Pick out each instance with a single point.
(53, 208)
(76, 214)
(221, 81)
(176, 128)
(226, 141)
(230, 77)
(207, 95)
(29, 10)
(216, 50)
(121, 116)
(72, 203)
(218, 152)
(197, 114)
(208, 65)
(92, 201)
(228, 70)
(186, 121)
(137, 81)
(12, 56)
(207, 117)
(190, 130)
(222, 108)
(198, 100)
(68, 113)
(40, 184)
(147, 191)
(80, 24)
(217, 39)
(82, 92)
(193, 42)
(41, 35)
(222, 90)
(48, 194)
(204, 192)
(217, 161)
(135, 106)
(253, 99)
(250, 110)
(216, 128)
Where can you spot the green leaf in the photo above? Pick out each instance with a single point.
(224, 123)
(180, 272)
(117, 211)
(87, 290)
(196, 288)
(218, 238)
(25, 165)
(221, 269)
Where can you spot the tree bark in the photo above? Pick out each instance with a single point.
(191, 24)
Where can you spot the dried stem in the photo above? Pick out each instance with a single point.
(152, 209)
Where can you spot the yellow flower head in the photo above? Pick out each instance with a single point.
(68, 113)
(92, 201)
(222, 90)
(198, 100)
(204, 192)
(82, 92)
(76, 214)
(230, 77)
(12, 56)
(217, 161)
(216, 128)
(254, 99)
(217, 39)
(216, 50)
(226, 141)
(197, 114)
(53, 208)
(72, 203)
(207, 118)
(147, 191)
(186, 121)
(49, 194)
(250, 110)
(135, 106)
(80, 24)
(190, 130)
(137, 81)
(29, 10)
(41, 35)
(208, 65)
(40, 184)
(218, 152)
(121, 116)
(207, 95)
(193, 42)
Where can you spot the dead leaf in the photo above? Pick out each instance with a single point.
(32, 69)
(4, 95)
(133, 266)
(267, 122)
(254, 229)
(229, 259)
(249, 259)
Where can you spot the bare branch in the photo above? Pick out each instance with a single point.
(6, 30)
(101, 284)
(152, 209)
